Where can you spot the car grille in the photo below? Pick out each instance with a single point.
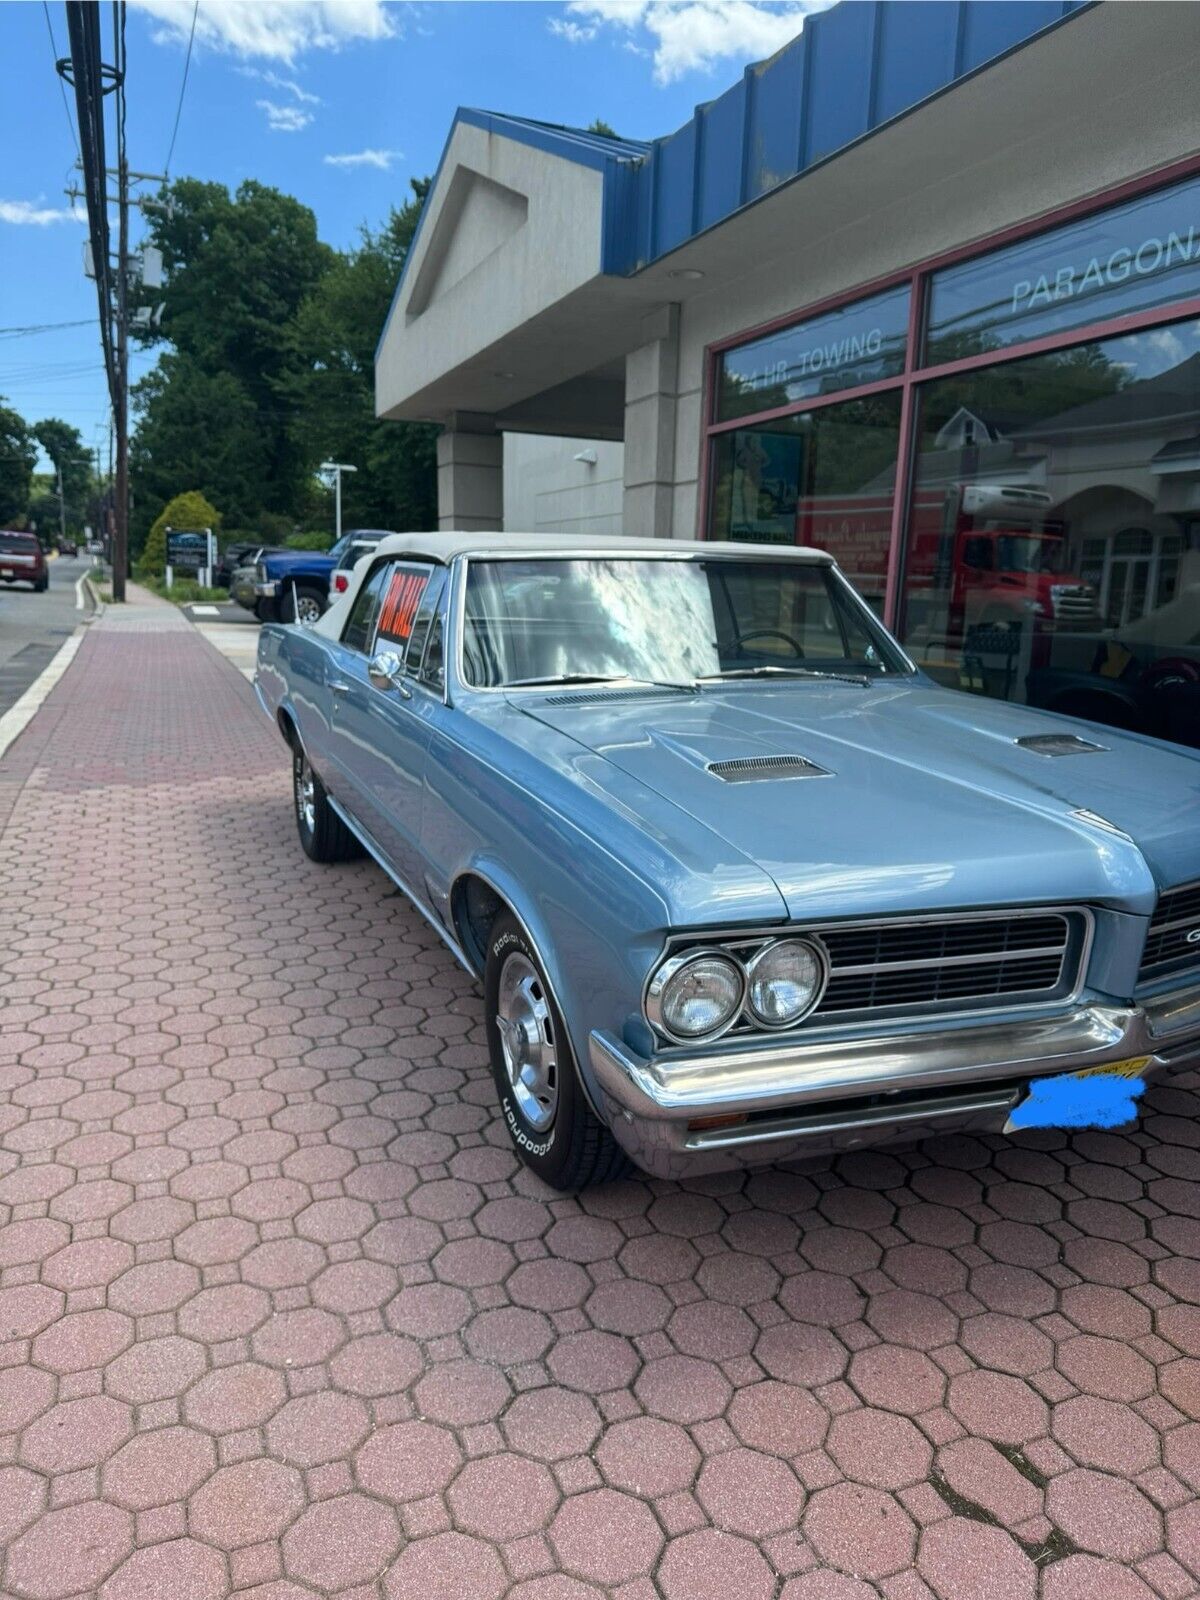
(1169, 947)
(958, 963)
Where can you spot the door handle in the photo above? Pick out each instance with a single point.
(338, 686)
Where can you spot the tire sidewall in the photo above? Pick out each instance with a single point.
(307, 835)
(544, 1152)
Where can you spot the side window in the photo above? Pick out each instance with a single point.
(356, 635)
(433, 668)
(406, 584)
(425, 613)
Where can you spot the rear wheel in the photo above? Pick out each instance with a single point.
(323, 834)
(301, 603)
(41, 585)
(553, 1128)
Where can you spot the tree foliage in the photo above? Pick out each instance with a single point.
(66, 449)
(330, 383)
(190, 511)
(270, 367)
(18, 455)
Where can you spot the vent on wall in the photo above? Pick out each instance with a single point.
(760, 769)
(1059, 744)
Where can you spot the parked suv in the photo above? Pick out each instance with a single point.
(22, 560)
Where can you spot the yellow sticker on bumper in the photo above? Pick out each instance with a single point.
(1132, 1068)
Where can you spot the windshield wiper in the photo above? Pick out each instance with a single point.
(598, 677)
(788, 672)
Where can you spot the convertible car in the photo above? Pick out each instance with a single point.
(739, 882)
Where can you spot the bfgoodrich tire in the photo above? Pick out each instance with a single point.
(323, 834)
(545, 1110)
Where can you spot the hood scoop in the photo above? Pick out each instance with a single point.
(763, 769)
(629, 691)
(1058, 744)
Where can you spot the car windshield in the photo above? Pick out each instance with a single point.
(534, 621)
(24, 542)
(1020, 552)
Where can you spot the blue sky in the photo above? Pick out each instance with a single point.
(338, 102)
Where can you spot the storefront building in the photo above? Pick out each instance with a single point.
(956, 343)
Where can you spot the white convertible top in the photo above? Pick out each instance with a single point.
(444, 546)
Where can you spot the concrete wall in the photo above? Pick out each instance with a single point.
(547, 490)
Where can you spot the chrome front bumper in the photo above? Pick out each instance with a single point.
(800, 1098)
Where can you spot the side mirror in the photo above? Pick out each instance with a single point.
(384, 669)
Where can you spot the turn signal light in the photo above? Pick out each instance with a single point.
(733, 1119)
(341, 582)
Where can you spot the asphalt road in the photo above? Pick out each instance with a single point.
(34, 626)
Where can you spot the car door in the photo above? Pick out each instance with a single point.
(381, 731)
(348, 779)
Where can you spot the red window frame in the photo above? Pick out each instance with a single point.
(918, 278)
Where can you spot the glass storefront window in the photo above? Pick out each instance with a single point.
(822, 478)
(1053, 546)
(860, 343)
(1133, 257)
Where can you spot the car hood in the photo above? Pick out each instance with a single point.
(925, 800)
(285, 560)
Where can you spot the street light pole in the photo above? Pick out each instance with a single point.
(337, 468)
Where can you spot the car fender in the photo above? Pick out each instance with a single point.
(590, 976)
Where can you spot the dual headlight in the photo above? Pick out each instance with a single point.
(700, 994)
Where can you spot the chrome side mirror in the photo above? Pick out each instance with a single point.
(384, 669)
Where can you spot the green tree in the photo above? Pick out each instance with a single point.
(329, 385)
(190, 511)
(598, 125)
(65, 447)
(239, 267)
(18, 455)
(196, 426)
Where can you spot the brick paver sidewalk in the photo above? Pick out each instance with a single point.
(280, 1316)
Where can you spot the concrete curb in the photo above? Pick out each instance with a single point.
(86, 584)
(18, 717)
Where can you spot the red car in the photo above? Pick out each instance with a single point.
(22, 561)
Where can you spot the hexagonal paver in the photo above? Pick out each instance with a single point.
(1104, 1515)
(449, 1566)
(877, 1448)
(648, 1457)
(711, 1565)
(605, 1536)
(156, 1468)
(860, 1531)
(745, 1492)
(317, 1427)
(241, 1396)
(246, 1503)
(69, 1552)
(967, 1560)
(502, 1497)
(178, 1567)
(76, 1433)
(341, 1542)
(408, 1461)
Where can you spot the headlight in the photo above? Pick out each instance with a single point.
(696, 996)
(785, 982)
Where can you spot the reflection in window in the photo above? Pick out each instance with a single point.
(859, 343)
(1053, 537)
(1131, 257)
(824, 478)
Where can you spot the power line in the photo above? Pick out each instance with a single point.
(42, 327)
(187, 61)
(62, 89)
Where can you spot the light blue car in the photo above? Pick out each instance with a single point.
(740, 883)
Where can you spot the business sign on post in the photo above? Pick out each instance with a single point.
(190, 552)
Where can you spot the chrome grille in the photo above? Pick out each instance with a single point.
(1168, 946)
(956, 963)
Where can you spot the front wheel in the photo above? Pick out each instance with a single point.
(542, 1101)
(323, 834)
(302, 604)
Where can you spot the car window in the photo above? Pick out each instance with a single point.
(422, 621)
(406, 584)
(24, 542)
(356, 635)
(433, 668)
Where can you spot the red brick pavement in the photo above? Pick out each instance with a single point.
(282, 1317)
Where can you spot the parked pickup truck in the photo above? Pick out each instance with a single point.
(298, 585)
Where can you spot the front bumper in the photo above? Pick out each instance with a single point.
(266, 589)
(803, 1098)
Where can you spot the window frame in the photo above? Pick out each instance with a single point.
(915, 373)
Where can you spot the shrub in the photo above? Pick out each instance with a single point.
(191, 511)
(308, 541)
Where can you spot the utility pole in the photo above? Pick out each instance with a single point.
(337, 468)
(62, 508)
(120, 556)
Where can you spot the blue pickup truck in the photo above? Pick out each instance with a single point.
(293, 585)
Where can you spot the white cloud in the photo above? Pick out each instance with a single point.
(572, 32)
(25, 214)
(288, 85)
(697, 35)
(365, 158)
(273, 30)
(284, 119)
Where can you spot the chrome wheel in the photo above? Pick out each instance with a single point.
(527, 1041)
(308, 610)
(306, 795)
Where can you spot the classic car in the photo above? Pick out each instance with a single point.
(739, 881)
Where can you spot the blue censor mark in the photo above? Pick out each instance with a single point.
(1094, 1099)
